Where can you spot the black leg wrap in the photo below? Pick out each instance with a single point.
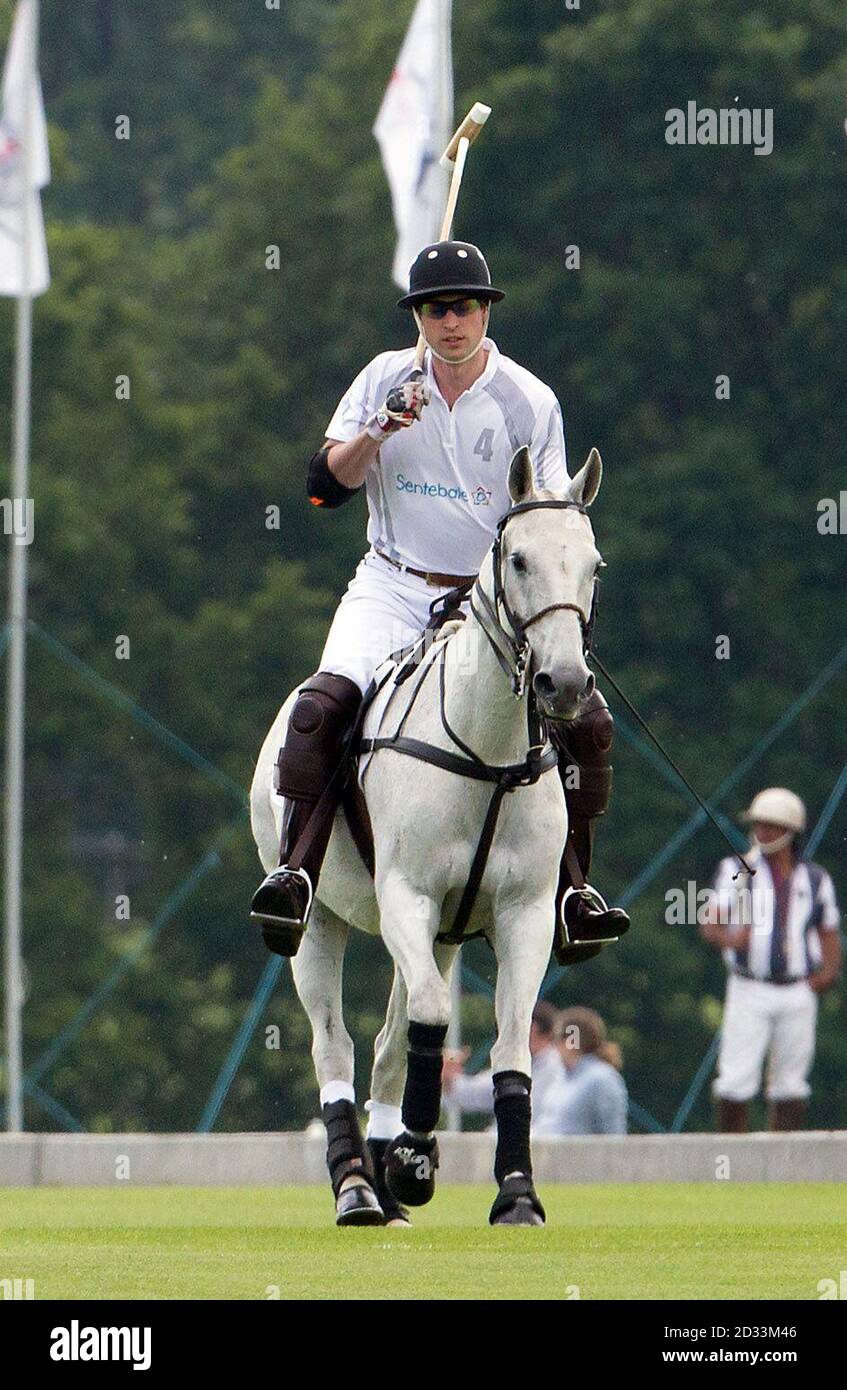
(346, 1151)
(513, 1113)
(517, 1204)
(422, 1093)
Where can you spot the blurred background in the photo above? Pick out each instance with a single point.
(251, 127)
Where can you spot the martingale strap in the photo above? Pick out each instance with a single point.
(505, 778)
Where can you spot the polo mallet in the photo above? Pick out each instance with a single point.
(454, 158)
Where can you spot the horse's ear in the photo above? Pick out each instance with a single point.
(586, 485)
(521, 477)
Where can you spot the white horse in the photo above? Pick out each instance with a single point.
(529, 612)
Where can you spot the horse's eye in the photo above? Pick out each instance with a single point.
(519, 563)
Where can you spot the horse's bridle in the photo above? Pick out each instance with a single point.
(513, 654)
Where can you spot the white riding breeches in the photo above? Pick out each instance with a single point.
(765, 1020)
(382, 610)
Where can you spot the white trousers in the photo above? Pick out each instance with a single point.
(764, 1020)
(383, 609)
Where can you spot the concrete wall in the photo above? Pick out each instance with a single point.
(209, 1160)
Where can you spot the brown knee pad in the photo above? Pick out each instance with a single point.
(321, 718)
(585, 743)
(322, 714)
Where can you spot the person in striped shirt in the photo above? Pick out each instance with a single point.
(779, 936)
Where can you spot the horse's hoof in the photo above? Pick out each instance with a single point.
(410, 1166)
(521, 1213)
(395, 1214)
(517, 1203)
(358, 1206)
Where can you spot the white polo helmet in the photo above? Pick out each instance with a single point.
(777, 806)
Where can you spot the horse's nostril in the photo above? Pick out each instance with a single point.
(542, 684)
(589, 685)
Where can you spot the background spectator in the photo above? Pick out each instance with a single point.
(589, 1095)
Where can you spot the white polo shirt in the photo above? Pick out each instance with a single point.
(438, 488)
(809, 913)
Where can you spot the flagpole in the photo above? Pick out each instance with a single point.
(445, 115)
(17, 617)
(445, 49)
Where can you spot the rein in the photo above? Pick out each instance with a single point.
(668, 759)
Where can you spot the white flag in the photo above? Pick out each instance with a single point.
(410, 129)
(23, 267)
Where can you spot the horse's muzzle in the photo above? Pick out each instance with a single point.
(562, 699)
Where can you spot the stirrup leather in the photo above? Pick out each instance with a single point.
(590, 895)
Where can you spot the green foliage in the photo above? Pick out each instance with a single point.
(251, 129)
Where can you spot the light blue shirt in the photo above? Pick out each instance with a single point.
(476, 1093)
(591, 1098)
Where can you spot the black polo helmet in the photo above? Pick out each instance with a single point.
(449, 267)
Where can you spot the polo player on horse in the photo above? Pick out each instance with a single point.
(433, 452)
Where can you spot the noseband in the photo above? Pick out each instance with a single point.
(513, 655)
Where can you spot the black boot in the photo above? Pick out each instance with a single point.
(786, 1115)
(731, 1116)
(281, 903)
(310, 773)
(584, 921)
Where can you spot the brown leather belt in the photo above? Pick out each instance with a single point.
(438, 581)
(764, 980)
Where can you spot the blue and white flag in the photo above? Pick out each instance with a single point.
(411, 127)
(23, 249)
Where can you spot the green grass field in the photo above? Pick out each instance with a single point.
(644, 1241)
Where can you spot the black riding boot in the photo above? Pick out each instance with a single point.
(321, 718)
(584, 923)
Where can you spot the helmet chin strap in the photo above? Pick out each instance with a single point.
(772, 846)
(453, 361)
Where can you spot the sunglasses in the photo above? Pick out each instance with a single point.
(438, 308)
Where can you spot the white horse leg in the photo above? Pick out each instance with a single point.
(389, 1069)
(317, 969)
(385, 1121)
(408, 922)
(522, 947)
(387, 1080)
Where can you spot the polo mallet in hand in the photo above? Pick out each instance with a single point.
(454, 158)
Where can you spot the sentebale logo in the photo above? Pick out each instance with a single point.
(424, 489)
(77, 1343)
